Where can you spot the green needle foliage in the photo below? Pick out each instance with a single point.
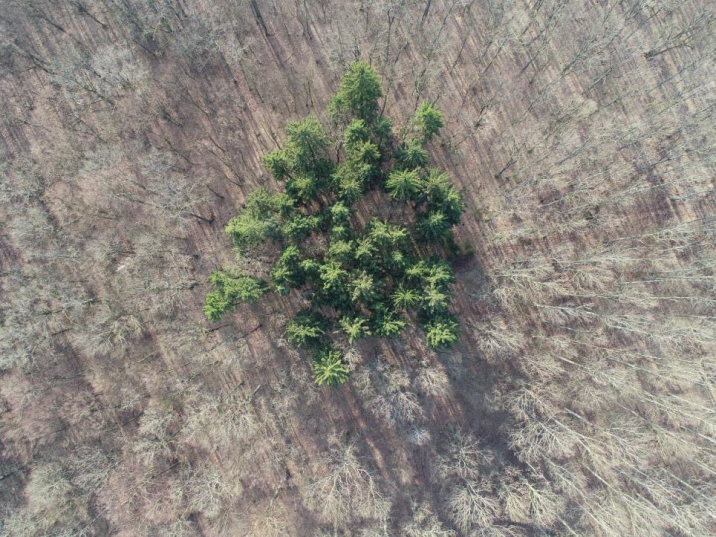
(354, 328)
(371, 277)
(305, 329)
(358, 94)
(403, 185)
(441, 332)
(428, 121)
(231, 288)
(329, 368)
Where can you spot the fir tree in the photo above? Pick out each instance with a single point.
(358, 94)
(329, 369)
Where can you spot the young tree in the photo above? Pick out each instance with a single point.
(387, 323)
(412, 156)
(286, 272)
(354, 328)
(329, 369)
(441, 332)
(428, 121)
(306, 329)
(232, 288)
(403, 185)
(406, 298)
(263, 215)
(433, 225)
(306, 146)
(358, 94)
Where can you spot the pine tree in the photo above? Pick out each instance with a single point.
(231, 288)
(406, 298)
(411, 156)
(333, 277)
(403, 185)
(441, 332)
(356, 132)
(341, 250)
(363, 288)
(278, 164)
(306, 329)
(307, 142)
(433, 226)
(354, 327)
(358, 94)
(303, 188)
(261, 219)
(428, 120)
(286, 272)
(300, 226)
(329, 369)
(387, 323)
(434, 300)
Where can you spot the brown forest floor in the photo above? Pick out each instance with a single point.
(580, 134)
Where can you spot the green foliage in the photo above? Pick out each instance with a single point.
(433, 226)
(437, 271)
(350, 190)
(366, 276)
(435, 186)
(386, 235)
(428, 120)
(310, 268)
(440, 195)
(354, 327)
(387, 323)
(363, 288)
(363, 153)
(231, 288)
(278, 164)
(262, 218)
(329, 369)
(341, 250)
(406, 298)
(403, 185)
(333, 277)
(303, 188)
(340, 232)
(365, 250)
(383, 128)
(306, 329)
(452, 205)
(306, 145)
(442, 206)
(340, 213)
(356, 132)
(441, 332)
(351, 179)
(434, 299)
(300, 226)
(358, 94)
(303, 162)
(286, 272)
(396, 261)
(411, 156)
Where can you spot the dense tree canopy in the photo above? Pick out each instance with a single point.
(371, 278)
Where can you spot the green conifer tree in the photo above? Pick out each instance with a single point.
(358, 94)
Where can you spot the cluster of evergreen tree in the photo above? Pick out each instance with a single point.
(372, 276)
